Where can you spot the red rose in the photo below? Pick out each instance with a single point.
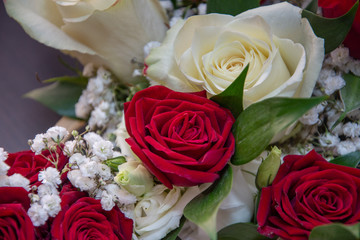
(83, 218)
(14, 221)
(183, 139)
(337, 8)
(308, 191)
(29, 165)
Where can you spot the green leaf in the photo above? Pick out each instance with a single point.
(333, 30)
(268, 168)
(113, 163)
(336, 231)
(350, 159)
(247, 231)
(232, 97)
(78, 80)
(260, 122)
(349, 95)
(174, 233)
(61, 97)
(203, 209)
(232, 7)
(312, 6)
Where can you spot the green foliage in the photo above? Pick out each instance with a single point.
(332, 30)
(349, 95)
(313, 6)
(336, 231)
(113, 163)
(232, 97)
(260, 122)
(203, 209)
(350, 159)
(232, 7)
(61, 96)
(243, 231)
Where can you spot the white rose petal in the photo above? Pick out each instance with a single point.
(73, 27)
(159, 212)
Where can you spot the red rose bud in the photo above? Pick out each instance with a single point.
(307, 192)
(337, 8)
(184, 139)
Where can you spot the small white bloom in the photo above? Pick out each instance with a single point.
(345, 147)
(340, 57)
(89, 169)
(202, 8)
(104, 171)
(103, 149)
(119, 195)
(50, 176)
(69, 147)
(3, 155)
(78, 159)
(38, 143)
(91, 138)
(95, 85)
(37, 214)
(45, 189)
(328, 140)
(104, 76)
(57, 134)
(107, 202)
(98, 118)
(330, 81)
(17, 180)
(354, 67)
(73, 175)
(4, 181)
(83, 107)
(3, 168)
(51, 204)
(351, 130)
(84, 183)
(312, 116)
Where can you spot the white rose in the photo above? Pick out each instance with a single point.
(210, 51)
(106, 32)
(160, 210)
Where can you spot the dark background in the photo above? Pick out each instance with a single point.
(21, 58)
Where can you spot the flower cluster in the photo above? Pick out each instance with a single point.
(188, 145)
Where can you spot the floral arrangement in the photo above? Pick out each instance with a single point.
(204, 120)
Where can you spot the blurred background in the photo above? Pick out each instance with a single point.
(21, 58)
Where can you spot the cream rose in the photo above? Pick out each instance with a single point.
(105, 32)
(210, 51)
(160, 210)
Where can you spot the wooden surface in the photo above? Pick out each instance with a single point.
(20, 59)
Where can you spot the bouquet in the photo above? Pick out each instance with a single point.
(200, 120)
